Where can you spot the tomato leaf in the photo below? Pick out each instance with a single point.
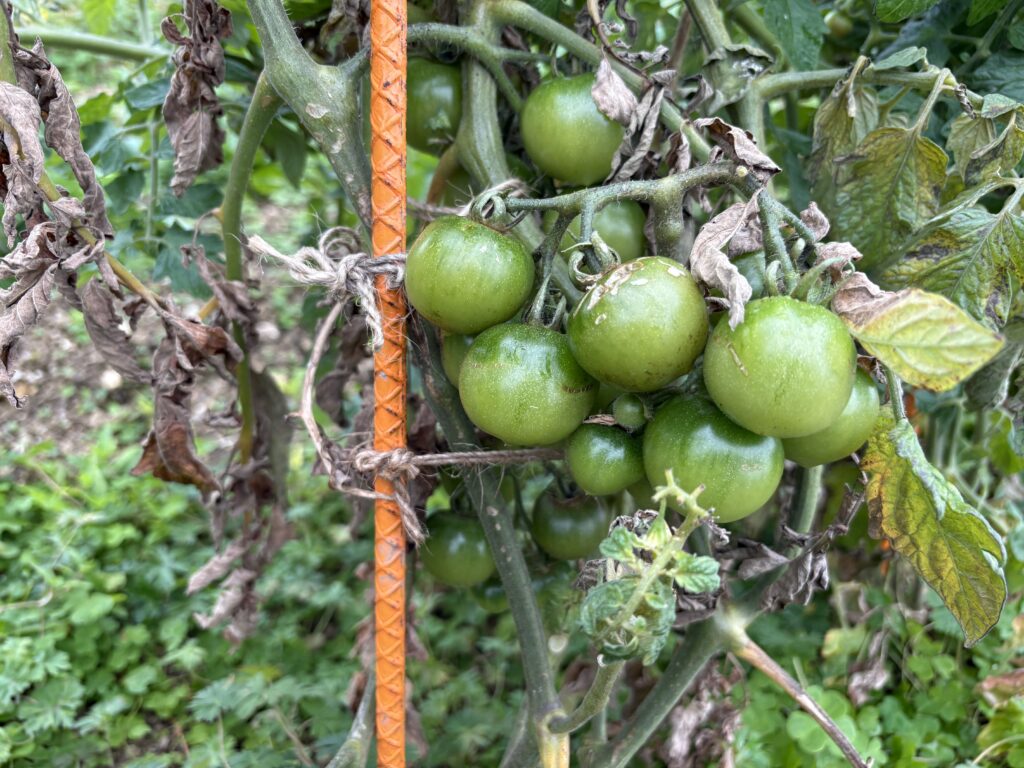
(972, 258)
(1002, 72)
(695, 573)
(983, 150)
(982, 9)
(898, 10)
(888, 188)
(949, 544)
(926, 339)
(711, 266)
(799, 27)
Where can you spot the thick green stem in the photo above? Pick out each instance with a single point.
(482, 487)
(105, 46)
(470, 41)
(772, 86)
(895, 393)
(596, 699)
(701, 643)
(753, 24)
(325, 99)
(808, 492)
(260, 114)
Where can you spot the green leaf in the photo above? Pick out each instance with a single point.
(99, 14)
(91, 608)
(50, 705)
(950, 545)
(926, 339)
(982, 9)
(887, 189)
(696, 573)
(5, 747)
(148, 95)
(1002, 72)
(902, 58)
(139, 679)
(620, 545)
(658, 535)
(973, 258)
(983, 150)
(898, 10)
(967, 135)
(641, 635)
(799, 27)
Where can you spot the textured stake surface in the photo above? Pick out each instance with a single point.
(387, 119)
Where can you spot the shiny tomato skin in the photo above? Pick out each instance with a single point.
(620, 224)
(629, 411)
(521, 384)
(568, 529)
(464, 277)
(642, 325)
(456, 551)
(565, 134)
(603, 459)
(844, 435)
(786, 371)
(434, 104)
(739, 470)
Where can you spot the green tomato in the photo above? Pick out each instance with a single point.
(568, 529)
(434, 104)
(606, 394)
(844, 435)
(787, 370)
(603, 459)
(749, 265)
(464, 277)
(491, 596)
(565, 134)
(740, 470)
(521, 384)
(620, 224)
(838, 23)
(643, 495)
(454, 347)
(629, 411)
(642, 325)
(456, 551)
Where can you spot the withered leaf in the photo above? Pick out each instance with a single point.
(63, 130)
(711, 266)
(191, 109)
(20, 117)
(31, 298)
(103, 322)
(739, 145)
(233, 298)
(612, 95)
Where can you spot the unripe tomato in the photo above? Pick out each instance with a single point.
(464, 277)
(642, 494)
(844, 435)
(629, 411)
(454, 347)
(620, 224)
(641, 326)
(787, 370)
(434, 104)
(568, 529)
(491, 596)
(565, 134)
(740, 470)
(521, 384)
(838, 23)
(603, 459)
(606, 393)
(456, 551)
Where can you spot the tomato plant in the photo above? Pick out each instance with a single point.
(700, 446)
(565, 134)
(786, 371)
(642, 325)
(521, 384)
(464, 277)
(569, 528)
(457, 555)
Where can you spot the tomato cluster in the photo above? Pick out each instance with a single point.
(639, 379)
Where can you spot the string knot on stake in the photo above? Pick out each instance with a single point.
(337, 265)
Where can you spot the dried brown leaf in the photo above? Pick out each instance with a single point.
(613, 97)
(739, 145)
(103, 322)
(711, 266)
(32, 297)
(191, 109)
(20, 117)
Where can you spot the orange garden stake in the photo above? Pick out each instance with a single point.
(387, 154)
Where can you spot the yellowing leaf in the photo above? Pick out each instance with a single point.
(888, 188)
(949, 544)
(925, 338)
(969, 257)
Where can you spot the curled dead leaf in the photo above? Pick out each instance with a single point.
(710, 264)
